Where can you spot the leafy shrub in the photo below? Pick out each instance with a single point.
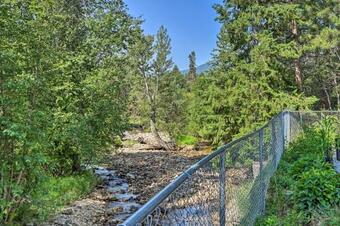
(279, 190)
(18, 178)
(309, 143)
(316, 190)
(293, 218)
(271, 220)
(327, 130)
(304, 188)
(307, 163)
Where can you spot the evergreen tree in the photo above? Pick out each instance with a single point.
(255, 74)
(71, 71)
(162, 49)
(192, 67)
(173, 103)
(160, 68)
(151, 58)
(283, 36)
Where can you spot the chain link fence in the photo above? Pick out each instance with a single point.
(227, 187)
(299, 120)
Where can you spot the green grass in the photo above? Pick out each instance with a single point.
(186, 140)
(130, 143)
(54, 193)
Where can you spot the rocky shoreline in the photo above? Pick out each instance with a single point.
(131, 176)
(110, 204)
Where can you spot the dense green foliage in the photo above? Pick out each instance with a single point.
(173, 103)
(226, 105)
(62, 85)
(305, 188)
(265, 61)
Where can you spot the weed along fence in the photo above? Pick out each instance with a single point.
(227, 187)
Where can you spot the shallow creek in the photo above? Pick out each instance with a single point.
(124, 203)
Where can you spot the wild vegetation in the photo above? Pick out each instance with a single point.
(305, 188)
(63, 92)
(74, 75)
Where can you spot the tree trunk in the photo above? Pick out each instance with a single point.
(297, 65)
(298, 74)
(327, 98)
(75, 163)
(155, 133)
(153, 115)
(337, 93)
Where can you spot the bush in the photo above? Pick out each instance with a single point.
(293, 218)
(18, 178)
(327, 131)
(310, 143)
(307, 163)
(117, 142)
(316, 190)
(304, 189)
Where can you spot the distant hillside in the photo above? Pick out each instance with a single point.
(200, 69)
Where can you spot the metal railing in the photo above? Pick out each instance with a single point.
(227, 187)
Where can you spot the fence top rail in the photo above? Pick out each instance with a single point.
(152, 204)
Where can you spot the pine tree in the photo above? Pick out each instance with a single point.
(173, 103)
(151, 58)
(284, 36)
(255, 62)
(192, 67)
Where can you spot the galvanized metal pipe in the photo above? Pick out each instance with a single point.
(222, 189)
(261, 174)
(273, 144)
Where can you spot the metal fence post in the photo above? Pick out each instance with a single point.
(222, 189)
(262, 183)
(287, 126)
(282, 131)
(273, 144)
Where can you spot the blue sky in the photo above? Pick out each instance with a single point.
(190, 24)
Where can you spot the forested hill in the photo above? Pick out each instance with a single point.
(200, 69)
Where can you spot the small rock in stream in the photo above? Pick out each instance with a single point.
(128, 207)
(131, 176)
(125, 197)
(115, 210)
(116, 182)
(118, 189)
